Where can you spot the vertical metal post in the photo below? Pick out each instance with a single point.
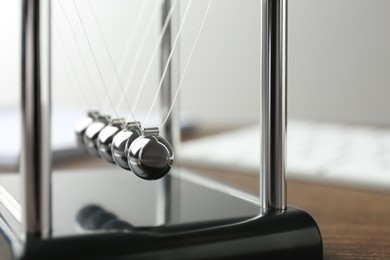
(35, 157)
(168, 196)
(274, 104)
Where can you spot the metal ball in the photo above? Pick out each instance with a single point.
(104, 140)
(150, 156)
(121, 143)
(82, 125)
(92, 133)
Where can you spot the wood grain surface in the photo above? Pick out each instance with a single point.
(355, 224)
(5, 253)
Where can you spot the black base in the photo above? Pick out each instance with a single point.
(292, 234)
(211, 223)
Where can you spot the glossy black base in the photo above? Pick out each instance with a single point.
(292, 234)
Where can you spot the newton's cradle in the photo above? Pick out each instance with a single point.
(167, 213)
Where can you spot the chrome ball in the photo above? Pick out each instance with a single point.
(150, 156)
(121, 144)
(92, 133)
(82, 125)
(104, 140)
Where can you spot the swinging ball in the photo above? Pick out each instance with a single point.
(106, 135)
(122, 141)
(92, 133)
(82, 126)
(150, 156)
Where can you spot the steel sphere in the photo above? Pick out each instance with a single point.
(82, 125)
(150, 156)
(105, 138)
(92, 133)
(121, 144)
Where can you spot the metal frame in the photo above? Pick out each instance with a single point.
(168, 200)
(273, 104)
(35, 161)
(36, 156)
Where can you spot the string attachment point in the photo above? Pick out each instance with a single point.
(150, 131)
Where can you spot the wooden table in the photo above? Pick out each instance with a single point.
(355, 224)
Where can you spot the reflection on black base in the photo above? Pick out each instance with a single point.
(95, 218)
(212, 223)
(292, 234)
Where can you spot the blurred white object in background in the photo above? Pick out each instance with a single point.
(317, 151)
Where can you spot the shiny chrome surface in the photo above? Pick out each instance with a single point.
(92, 133)
(121, 144)
(35, 157)
(273, 104)
(169, 195)
(12, 205)
(82, 125)
(216, 186)
(93, 217)
(150, 156)
(105, 138)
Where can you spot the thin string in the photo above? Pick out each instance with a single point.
(96, 63)
(168, 61)
(111, 60)
(63, 57)
(81, 100)
(155, 52)
(99, 104)
(187, 64)
(129, 43)
(140, 50)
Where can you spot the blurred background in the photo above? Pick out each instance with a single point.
(338, 66)
(338, 80)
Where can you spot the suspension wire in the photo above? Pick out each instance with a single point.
(187, 64)
(140, 50)
(168, 61)
(98, 102)
(81, 100)
(154, 54)
(130, 40)
(111, 59)
(96, 63)
(167, 20)
(71, 75)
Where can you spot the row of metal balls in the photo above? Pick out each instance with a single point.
(142, 151)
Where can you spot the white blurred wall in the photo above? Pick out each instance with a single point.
(10, 25)
(339, 60)
(338, 67)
